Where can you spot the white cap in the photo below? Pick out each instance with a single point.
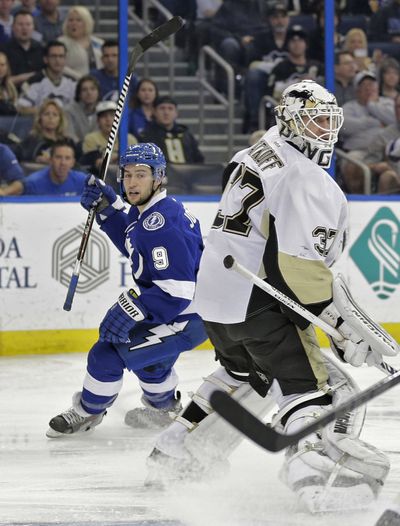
(105, 105)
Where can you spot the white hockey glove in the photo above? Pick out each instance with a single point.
(352, 349)
(363, 339)
(102, 196)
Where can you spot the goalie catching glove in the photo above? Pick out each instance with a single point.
(101, 196)
(121, 318)
(363, 339)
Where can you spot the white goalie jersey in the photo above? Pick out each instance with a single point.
(281, 216)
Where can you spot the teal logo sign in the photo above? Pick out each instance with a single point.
(376, 253)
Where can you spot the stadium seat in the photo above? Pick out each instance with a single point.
(392, 49)
(194, 178)
(348, 22)
(307, 22)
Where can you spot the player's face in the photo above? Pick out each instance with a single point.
(317, 127)
(138, 183)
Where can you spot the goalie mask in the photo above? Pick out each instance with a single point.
(308, 116)
(147, 154)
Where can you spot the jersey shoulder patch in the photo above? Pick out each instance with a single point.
(154, 221)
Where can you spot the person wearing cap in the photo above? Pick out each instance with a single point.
(296, 66)
(95, 143)
(175, 140)
(364, 118)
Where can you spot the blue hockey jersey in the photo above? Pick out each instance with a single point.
(164, 246)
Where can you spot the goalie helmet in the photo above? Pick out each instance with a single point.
(308, 116)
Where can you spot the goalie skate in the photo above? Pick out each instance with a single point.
(150, 417)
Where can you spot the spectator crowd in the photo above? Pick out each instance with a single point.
(62, 78)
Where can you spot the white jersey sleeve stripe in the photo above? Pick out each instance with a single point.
(173, 287)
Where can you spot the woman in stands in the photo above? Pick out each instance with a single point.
(356, 42)
(49, 126)
(83, 48)
(8, 92)
(81, 112)
(389, 78)
(142, 106)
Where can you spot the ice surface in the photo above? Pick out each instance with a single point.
(97, 478)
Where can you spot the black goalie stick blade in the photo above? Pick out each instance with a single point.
(160, 33)
(270, 439)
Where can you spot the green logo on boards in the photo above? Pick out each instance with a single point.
(376, 253)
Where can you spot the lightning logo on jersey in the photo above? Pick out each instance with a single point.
(159, 334)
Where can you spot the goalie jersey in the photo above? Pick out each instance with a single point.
(164, 245)
(282, 217)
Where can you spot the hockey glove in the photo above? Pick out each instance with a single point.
(121, 319)
(102, 196)
(352, 349)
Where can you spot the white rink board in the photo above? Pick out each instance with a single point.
(32, 299)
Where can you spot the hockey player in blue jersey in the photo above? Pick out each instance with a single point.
(153, 322)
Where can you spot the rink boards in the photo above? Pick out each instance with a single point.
(39, 241)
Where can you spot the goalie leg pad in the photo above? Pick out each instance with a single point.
(193, 449)
(333, 470)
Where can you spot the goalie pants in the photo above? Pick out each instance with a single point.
(269, 346)
(150, 355)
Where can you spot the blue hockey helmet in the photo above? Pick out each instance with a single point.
(146, 153)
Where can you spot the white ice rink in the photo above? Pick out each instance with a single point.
(97, 478)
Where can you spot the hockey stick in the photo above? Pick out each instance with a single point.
(270, 439)
(160, 33)
(231, 263)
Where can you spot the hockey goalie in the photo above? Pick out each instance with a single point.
(284, 218)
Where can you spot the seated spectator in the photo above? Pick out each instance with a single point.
(175, 140)
(81, 112)
(6, 19)
(24, 54)
(31, 7)
(50, 83)
(10, 170)
(345, 71)
(49, 21)
(317, 37)
(107, 76)
(8, 92)
(383, 157)
(389, 78)
(26, 5)
(268, 48)
(355, 41)
(83, 48)
(296, 66)
(198, 35)
(57, 179)
(232, 29)
(142, 106)
(94, 143)
(364, 118)
(385, 23)
(48, 127)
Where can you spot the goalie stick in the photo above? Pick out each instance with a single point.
(160, 33)
(272, 440)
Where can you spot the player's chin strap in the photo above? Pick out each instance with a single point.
(371, 332)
